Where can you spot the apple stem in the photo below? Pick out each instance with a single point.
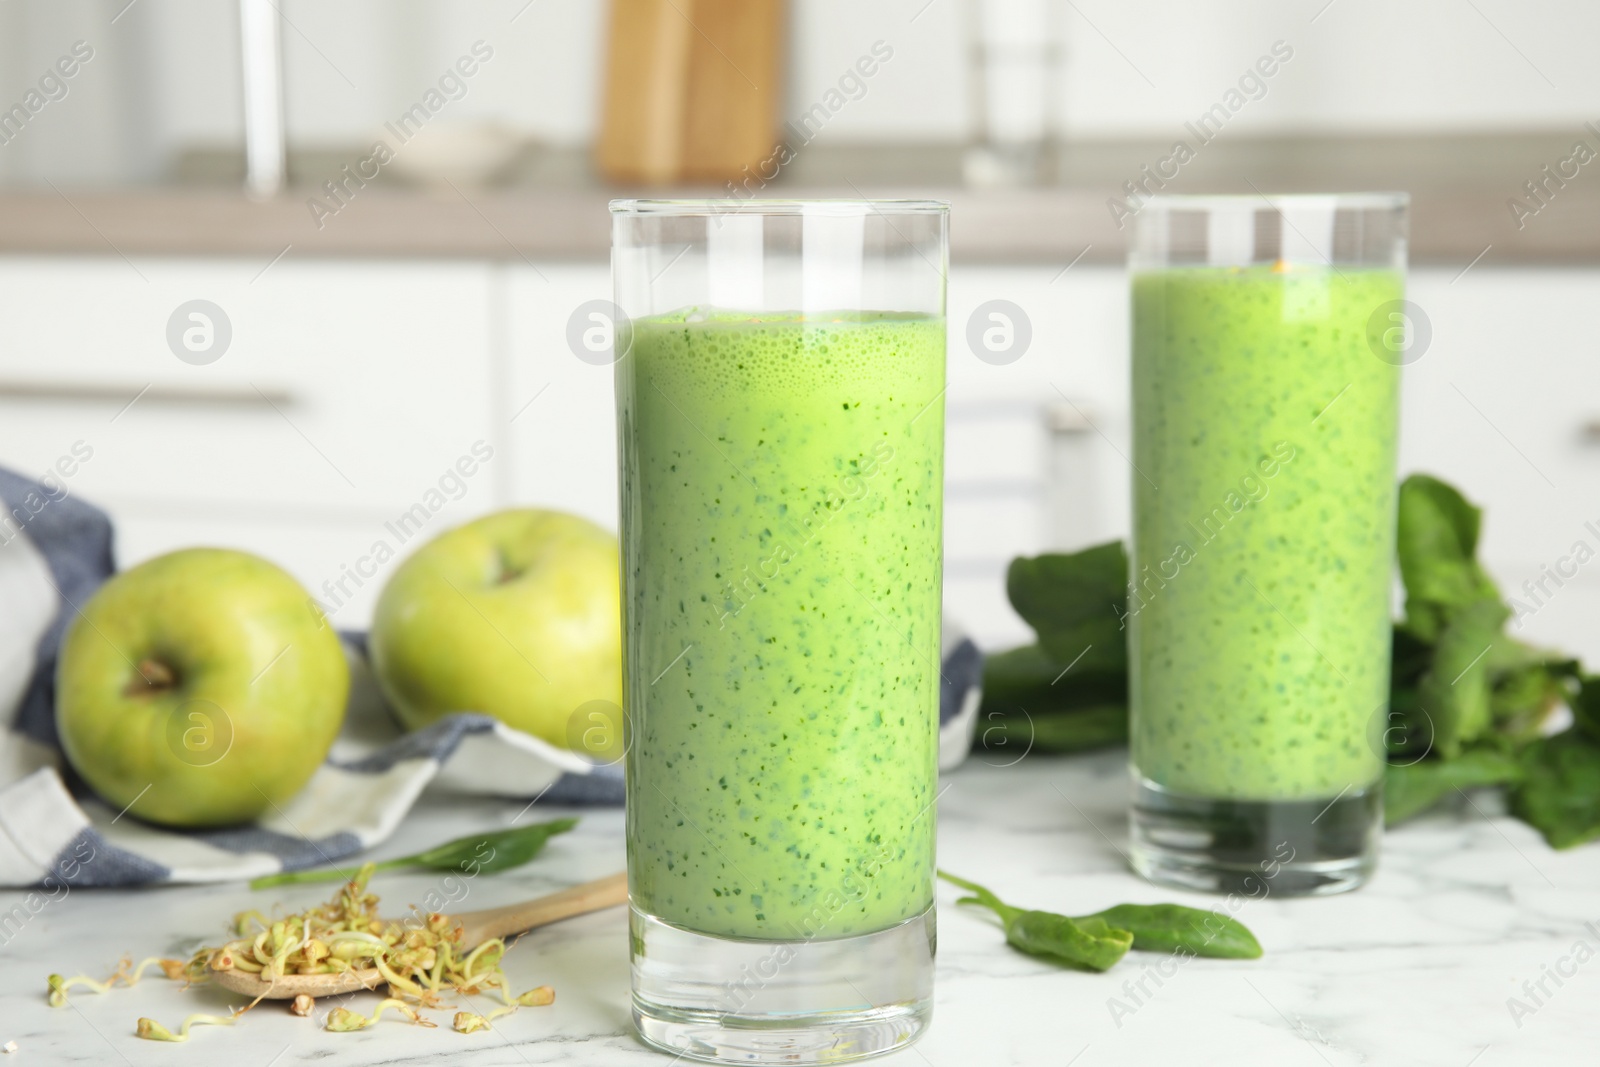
(152, 677)
(508, 571)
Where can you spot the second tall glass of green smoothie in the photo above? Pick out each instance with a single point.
(1265, 411)
(780, 388)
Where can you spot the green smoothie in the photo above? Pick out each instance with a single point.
(1264, 441)
(781, 541)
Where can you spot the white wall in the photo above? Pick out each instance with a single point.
(1363, 64)
(166, 72)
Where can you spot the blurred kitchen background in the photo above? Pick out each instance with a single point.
(369, 316)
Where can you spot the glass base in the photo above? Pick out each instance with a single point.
(724, 1000)
(1256, 847)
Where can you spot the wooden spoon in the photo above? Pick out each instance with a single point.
(476, 927)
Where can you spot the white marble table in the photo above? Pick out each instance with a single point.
(1416, 968)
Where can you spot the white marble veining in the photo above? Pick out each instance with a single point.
(1416, 968)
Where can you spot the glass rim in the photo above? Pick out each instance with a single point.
(1277, 201)
(709, 207)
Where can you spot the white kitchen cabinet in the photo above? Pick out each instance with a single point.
(351, 388)
(1504, 404)
(1501, 405)
(1501, 401)
(343, 382)
(997, 448)
(560, 413)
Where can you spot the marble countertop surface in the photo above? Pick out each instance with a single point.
(1419, 967)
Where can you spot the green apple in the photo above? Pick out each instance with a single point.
(516, 615)
(200, 688)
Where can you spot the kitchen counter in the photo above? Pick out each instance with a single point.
(1416, 968)
(549, 206)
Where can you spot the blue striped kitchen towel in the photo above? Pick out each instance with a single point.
(55, 550)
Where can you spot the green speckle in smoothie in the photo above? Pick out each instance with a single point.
(1269, 427)
(749, 483)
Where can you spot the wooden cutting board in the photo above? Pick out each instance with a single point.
(692, 89)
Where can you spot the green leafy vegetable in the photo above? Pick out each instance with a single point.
(507, 848)
(1092, 946)
(1560, 795)
(1029, 677)
(1031, 702)
(1528, 690)
(1411, 789)
(1081, 729)
(1096, 942)
(1465, 697)
(1407, 734)
(1437, 542)
(1454, 691)
(477, 853)
(1586, 707)
(1075, 603)
(1068, 692)
(1170, 927)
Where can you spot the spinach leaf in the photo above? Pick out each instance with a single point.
(1527, 691)
(1586, 707)
(1465, 697)
(1410, 657)
(1406, 733)
(1098, 941)
(1020, 731)
(1032, 703)
(1412, 789)
(1028, 677)
(491, 852)
(1170, 927)
(1075, 603)
(1560, 793)
(1082, 729)
(1095, 946)
(494, 852)
(1455, 691)
(1437, 542)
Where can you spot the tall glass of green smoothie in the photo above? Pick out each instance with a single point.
(780, 385)
(1265, 415)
